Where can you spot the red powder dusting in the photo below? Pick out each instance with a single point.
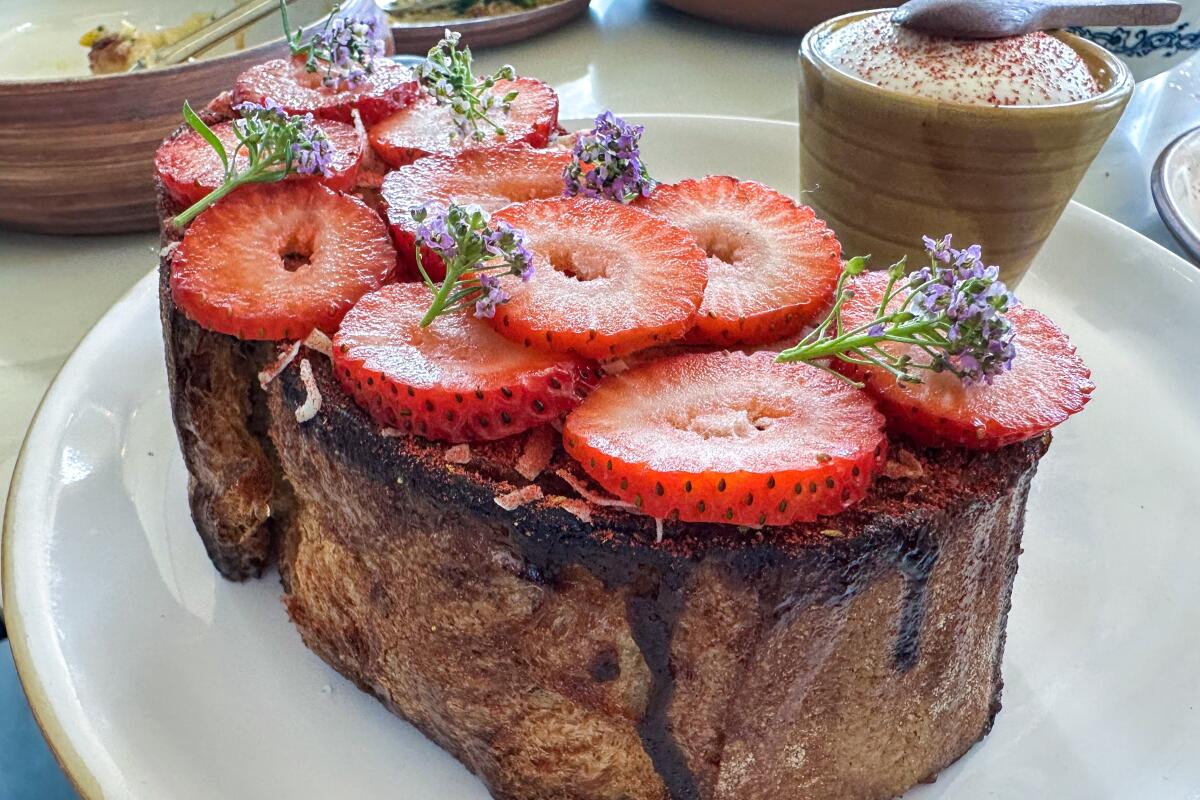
(1034, 69)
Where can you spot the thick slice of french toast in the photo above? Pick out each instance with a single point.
(558, 650)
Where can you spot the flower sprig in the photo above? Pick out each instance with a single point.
(952, 312)
(612, 151)
(475, 252)
(344, 50)
(275, 145)
(447, 77)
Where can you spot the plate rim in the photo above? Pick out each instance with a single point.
(81, 777)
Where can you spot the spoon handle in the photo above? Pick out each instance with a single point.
(1127, 13)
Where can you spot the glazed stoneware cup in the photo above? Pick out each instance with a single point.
(883, 167)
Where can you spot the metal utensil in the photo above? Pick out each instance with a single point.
(994, 19)
(212, 34)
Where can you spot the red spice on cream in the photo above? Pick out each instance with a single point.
(1030, 70)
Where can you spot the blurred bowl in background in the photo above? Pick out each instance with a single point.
(1175, 187)
(1149, 51)
(480, 32)
(76, 150)
(770, 16)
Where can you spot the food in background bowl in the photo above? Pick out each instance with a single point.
(407, 11)
(63, 111)
(119, 50)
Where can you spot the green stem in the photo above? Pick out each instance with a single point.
(208, 199)
(852, 342)
(442, 295)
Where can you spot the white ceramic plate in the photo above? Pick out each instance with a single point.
(155, 678)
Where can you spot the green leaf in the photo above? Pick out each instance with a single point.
(206, 132)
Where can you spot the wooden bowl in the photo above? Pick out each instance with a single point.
(77, 153)
(488, 31)
(769, 16)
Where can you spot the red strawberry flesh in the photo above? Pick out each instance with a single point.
(390, 88)
(772, 265)
(609, 279)
(456, 380)
(490, 179)
(190, 168)
(1048, 382)
(426, 128)
(729, 437)
(274, 261)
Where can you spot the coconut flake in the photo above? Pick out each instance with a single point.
(577, 507)
(312, 401)
(658, 530)
(519, 497)
(902, 464)
(459, 454)
(318, 341)
(284, 356)
(591, 496)
(536, 455)
(168, 249)
(391, 433)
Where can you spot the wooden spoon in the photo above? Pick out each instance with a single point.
(994, 19)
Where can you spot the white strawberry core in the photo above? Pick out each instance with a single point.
(580, 264)
(724, 423)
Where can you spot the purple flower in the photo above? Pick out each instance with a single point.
(344, 50)
(611, 150)
(959, 292)
(492, 296)
(476, 253)
(433, 230)
(446, 76)
(939, 250)
(312, 150)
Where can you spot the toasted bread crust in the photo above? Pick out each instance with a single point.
(561, 659)
(558, 650)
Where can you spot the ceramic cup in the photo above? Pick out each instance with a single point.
(884, 167)
(1149, 51)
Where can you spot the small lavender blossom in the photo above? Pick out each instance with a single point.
(271, 144)
(952, 310)
(492, 296)
(344, 50)
(475, 252)
(312, 151)
(446, 76)
(611, 150)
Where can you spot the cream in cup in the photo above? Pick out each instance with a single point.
(904, 134)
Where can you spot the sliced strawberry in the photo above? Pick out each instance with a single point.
(1048, 382)
(425, 128)
(772, 265)
(457, 380)
(609, 279)
(189, 168)
(729, 437)
(490, 179)
(274, 261)
(390, 88)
